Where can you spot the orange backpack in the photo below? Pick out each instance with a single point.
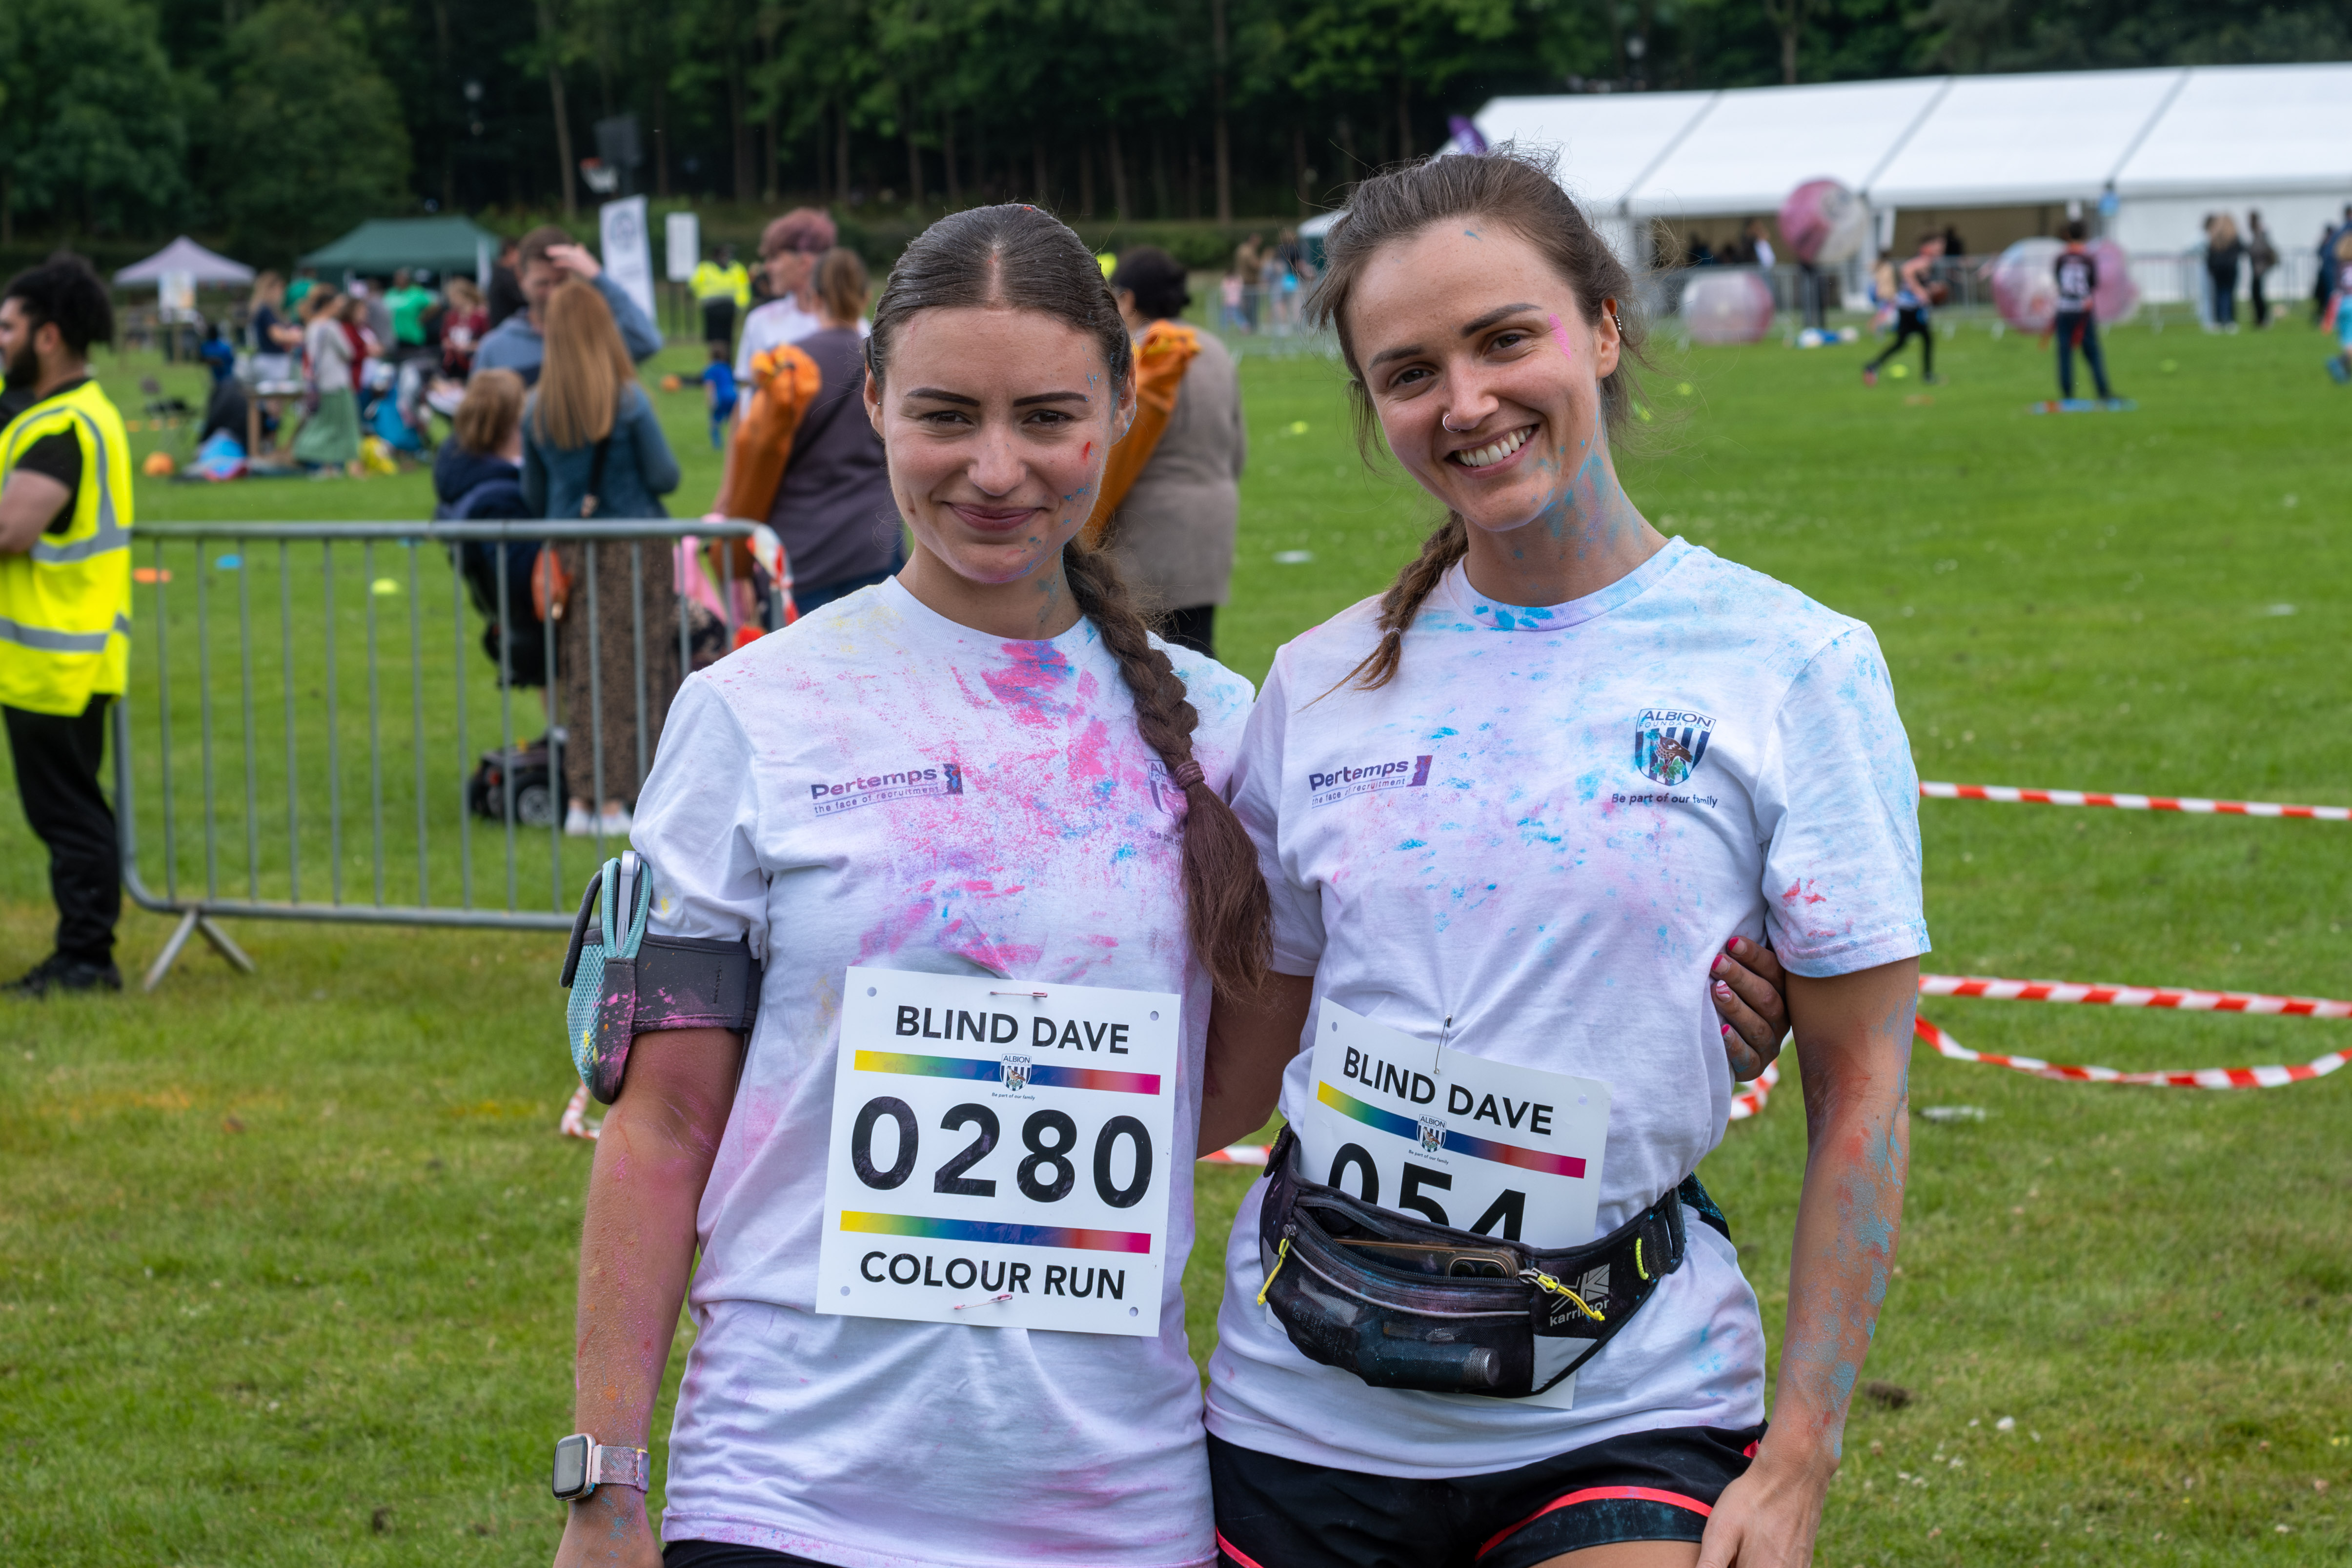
(1161, 362)
(785, 383)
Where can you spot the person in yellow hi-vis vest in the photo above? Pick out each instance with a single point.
(722, 287)
(65, 604)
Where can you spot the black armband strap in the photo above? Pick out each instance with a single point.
(636, 983)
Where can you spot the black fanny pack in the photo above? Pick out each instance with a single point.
(1405, 1304)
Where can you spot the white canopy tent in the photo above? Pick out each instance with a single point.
(2171, 145)
(184, 255)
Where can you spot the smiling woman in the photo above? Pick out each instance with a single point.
(1513, 812)
(984, 785)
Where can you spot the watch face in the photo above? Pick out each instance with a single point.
(571, 1466)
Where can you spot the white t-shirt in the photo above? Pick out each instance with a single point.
(1040, 841)
(777, 322)
(1597, 797)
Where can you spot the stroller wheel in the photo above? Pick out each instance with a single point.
(535, 805)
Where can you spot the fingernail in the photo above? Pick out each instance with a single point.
(1723, 991)
(1720, 964)
(1733, 945)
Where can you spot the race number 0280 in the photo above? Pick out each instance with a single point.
(1046, 1172)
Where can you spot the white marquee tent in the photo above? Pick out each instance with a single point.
(2172, 144)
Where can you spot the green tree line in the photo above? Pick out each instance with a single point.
(275, 124)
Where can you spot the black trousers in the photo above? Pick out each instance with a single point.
(718, 320)
(1909, 325)
(1194, 626)
(57, 761)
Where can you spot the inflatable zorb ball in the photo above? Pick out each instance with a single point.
(2025, 287)
(1824, 223)
(2117, 298)
(1727, 305)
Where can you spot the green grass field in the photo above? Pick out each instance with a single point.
(286, 1274)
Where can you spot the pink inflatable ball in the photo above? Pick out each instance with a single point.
(2024, 289)
(1727, 305)
(1824, 223)
(2117, 298)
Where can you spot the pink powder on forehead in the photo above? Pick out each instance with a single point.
(1559, 336)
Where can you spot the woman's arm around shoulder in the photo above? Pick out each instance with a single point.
(1853, 1052)
(637, 1250)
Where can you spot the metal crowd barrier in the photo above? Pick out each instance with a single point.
(291, 813)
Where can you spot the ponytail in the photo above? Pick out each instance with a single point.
(1226, 909)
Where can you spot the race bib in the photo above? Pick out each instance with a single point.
(1508, 1151)
(1000, 1153)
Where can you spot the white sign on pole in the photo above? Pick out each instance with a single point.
(628, 250)
(682, 243)
(177, 293)
(1000, 1153)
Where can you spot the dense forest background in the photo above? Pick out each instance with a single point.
(273, 125)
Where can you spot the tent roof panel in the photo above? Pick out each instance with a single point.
(1757, 144)
(184, 254)
(1998, 140)
(1605, 139)
(386, 244)
(2248, 128)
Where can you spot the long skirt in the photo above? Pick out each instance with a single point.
(616, 695)
(331, 435)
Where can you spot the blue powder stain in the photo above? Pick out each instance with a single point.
(1414, 844)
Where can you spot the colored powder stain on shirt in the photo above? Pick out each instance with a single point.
(1034, 681)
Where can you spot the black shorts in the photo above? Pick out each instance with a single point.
(1644, 1486)
(723, 1554)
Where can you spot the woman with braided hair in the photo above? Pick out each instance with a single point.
(1513, 812)
(983, 776)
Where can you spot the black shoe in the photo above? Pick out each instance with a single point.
(58, 973)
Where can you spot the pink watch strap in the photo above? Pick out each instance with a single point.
(620, 1468)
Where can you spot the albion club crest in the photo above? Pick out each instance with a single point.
(1669, 744)
(1015, 1072)
(1433, 1134)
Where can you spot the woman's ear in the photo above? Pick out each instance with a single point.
(1122, 414)
(1608, 341)
(874, 402)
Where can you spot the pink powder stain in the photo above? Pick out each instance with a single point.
(1094, 754)
(1035, 683)
(1559, 336)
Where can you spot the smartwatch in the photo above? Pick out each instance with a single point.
(582, 1464)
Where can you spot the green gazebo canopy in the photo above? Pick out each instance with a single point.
(383, 245)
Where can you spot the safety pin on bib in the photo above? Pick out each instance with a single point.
(1016, 994)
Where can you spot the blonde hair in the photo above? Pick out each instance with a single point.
(462, 292)
(841, 285)
(587, 366)
(268, 289)
(492, 408)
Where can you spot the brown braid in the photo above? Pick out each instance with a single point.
(1402, 602)
(1226, 907)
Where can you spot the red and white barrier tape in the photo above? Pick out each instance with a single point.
(1237, 1154)
(576, 1123)
(2198, 1077)
(2133, 996)
(2008, 796)
(1750, 1099)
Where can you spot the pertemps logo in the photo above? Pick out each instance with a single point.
(830, 799)
(1669, 744)
(1390, 773)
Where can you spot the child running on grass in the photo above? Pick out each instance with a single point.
(719, 393)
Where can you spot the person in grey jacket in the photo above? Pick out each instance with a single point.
(1173, 534)
(549, 260)
(594, 448)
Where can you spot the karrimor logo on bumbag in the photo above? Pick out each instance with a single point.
(1670, 742)
(872, 789)
(1402, 772)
